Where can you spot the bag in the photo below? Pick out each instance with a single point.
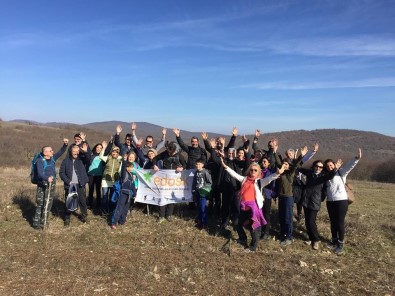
(72, 198)
(33, 170)
(117, 192)
(350, 193)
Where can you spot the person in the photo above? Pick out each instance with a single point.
(312, 197)
(194, 151)
(46, 185)
(130, 140)
(229, 188)
(201, 188)
(111, 174)
(215, 146)
(251, 202)
(270, 145)
(298, 184)
(168, 160)
(337, 201)
(286, 198)
(149, 142)
(268, 193)
(95, 174)
(128, 192)
(148, 161)
(85, 150)
(73, 173)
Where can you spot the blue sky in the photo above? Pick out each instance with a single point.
(201, 65)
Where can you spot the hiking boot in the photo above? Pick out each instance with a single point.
(286, 242)
(170, 218)
(250, 250)
(315, 246)
(242, 242)
(307, 242)
(161, 220)
(84, 219)
(339, 248)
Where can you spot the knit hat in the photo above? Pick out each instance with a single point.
(115, 148)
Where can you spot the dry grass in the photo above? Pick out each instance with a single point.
(144, 258)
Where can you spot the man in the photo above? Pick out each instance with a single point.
(73, 174)
(85, 150)
(194, 151)
(168, 160)
(129, 145)
(149, 142)
(46, 172)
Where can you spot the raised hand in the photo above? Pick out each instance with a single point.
(164, 130)
(65, 141)
(257, 133)
(119, 129)
(213, 143)
(176, 131)
(304, 150)
(104, 144)
(234, 131)
(133, 126)
(84, 147)
(281, 170)
(204, 136)
(359, 153)
(222, 141)
(83, 136)
(316, 146)
(338, 164)
(244, 138)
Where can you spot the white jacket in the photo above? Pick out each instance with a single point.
(263, 183)
(335, 188)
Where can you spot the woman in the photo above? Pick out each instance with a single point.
(337, 201)
(95, 174)
(111, 174)
(251, 202)
(268, 191)
(312, 197)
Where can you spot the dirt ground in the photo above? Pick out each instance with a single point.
(174, 258)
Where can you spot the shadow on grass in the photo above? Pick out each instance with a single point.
(26, 204)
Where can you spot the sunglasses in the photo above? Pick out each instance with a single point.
(319, 166)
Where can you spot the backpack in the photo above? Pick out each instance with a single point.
(33, 171)
(72, 198)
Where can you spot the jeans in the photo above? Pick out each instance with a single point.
(285, 210)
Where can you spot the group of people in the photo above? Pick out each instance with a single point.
(234, 184)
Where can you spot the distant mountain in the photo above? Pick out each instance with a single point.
(333, 142)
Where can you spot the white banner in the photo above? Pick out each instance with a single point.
(164, 186)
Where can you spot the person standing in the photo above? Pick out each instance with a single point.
(337, 200)
(46, 173)
(73, 174)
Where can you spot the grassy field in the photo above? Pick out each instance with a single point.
(144, 258)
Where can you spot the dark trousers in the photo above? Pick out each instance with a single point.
(214, 206)
(267, 206)
(107, 206)
(337, 211)
(310, 217)
(166, 211)
(95, 184)
(122, 209)
(81, 201)
(285, 210)
(228, 205)
(244, 216)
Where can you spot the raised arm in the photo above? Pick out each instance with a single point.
(179, 140)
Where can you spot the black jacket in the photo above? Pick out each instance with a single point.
(194, 153)
(66, 171)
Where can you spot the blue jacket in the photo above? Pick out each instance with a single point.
(50, 169)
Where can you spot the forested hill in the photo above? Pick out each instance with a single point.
(20, 139)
